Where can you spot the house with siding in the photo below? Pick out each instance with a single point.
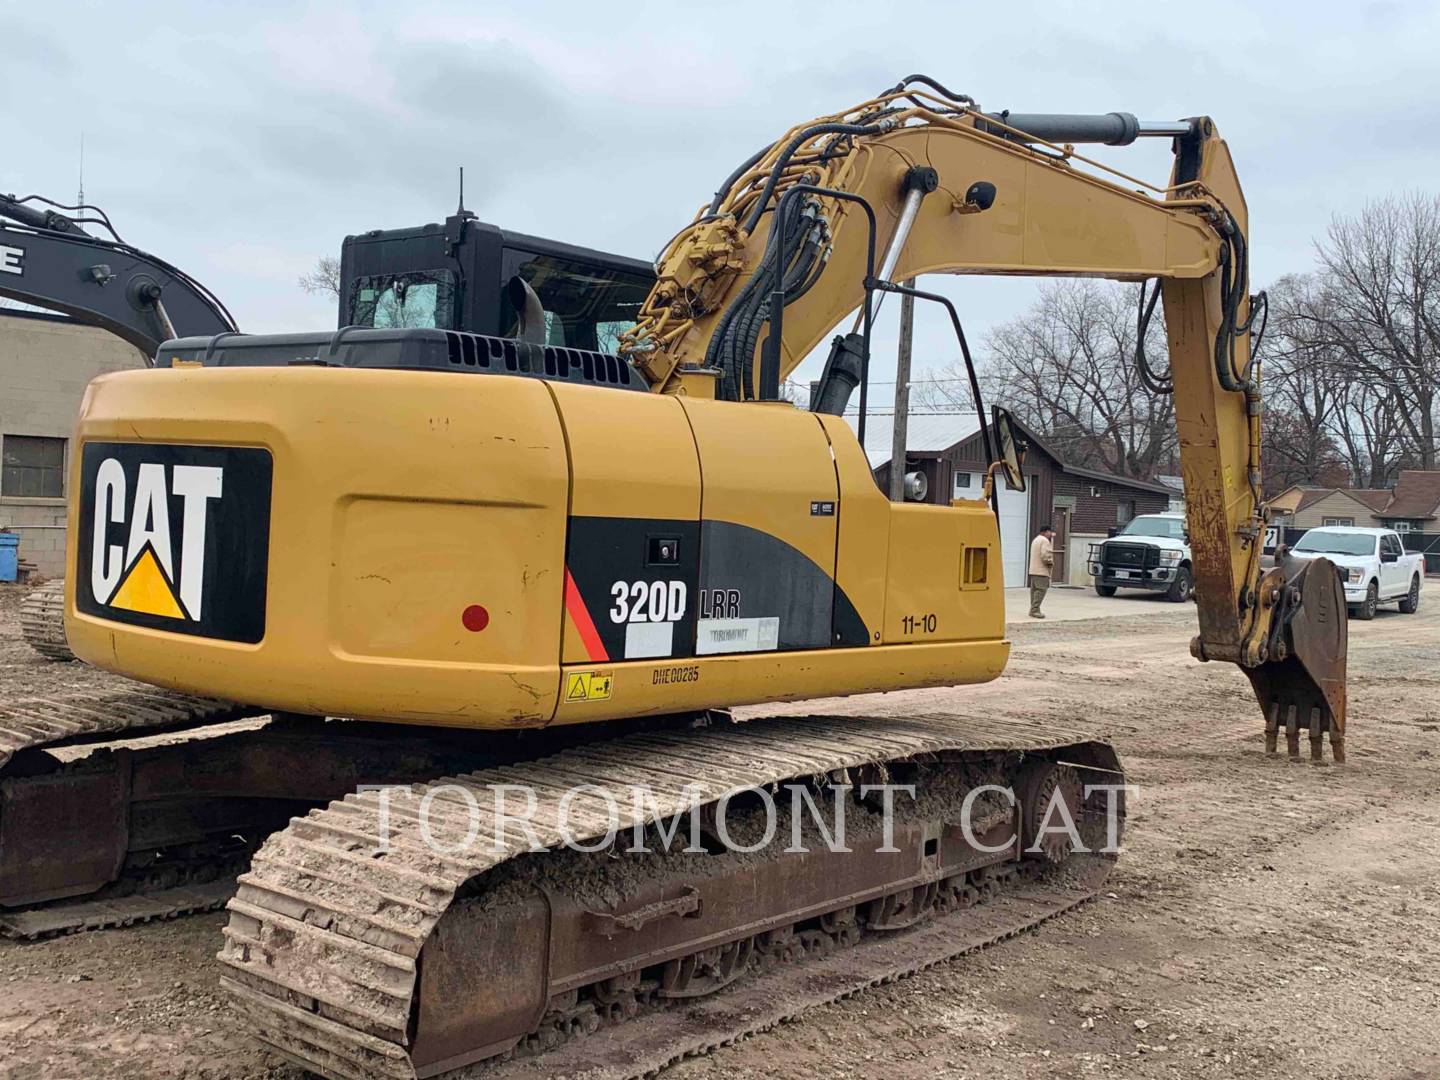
(1084, 505)
(1415, 503)
(1309, 508)
(1412, 506)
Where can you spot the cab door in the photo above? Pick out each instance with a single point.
(1394, 580)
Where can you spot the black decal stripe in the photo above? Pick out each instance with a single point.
(772, 578)
(850, 628)
(602, 551)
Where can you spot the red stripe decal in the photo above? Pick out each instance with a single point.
(575, 605)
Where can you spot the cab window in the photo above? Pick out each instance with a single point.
(424, 299)
(586, 306)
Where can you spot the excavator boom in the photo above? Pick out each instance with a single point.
(49, 260)
(950, 189)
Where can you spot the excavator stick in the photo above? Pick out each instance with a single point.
(1301, 684)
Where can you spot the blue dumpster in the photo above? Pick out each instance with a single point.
(9, 556)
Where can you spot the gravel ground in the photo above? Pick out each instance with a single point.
(1266, 919)
(23, 673)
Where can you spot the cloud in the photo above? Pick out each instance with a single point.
(242, 141)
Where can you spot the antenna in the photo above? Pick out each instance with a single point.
(461, 210)
(80, 199)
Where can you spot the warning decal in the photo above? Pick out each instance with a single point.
(587, 686)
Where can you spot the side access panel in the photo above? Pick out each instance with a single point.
(943, 581)
(862, 552)
(633, 550)
(767, 536)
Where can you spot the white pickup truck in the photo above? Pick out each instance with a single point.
(1151, 552)
(1375, 565)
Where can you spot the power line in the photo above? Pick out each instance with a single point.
(913, 412)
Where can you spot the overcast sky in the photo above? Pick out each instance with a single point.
(241, 141)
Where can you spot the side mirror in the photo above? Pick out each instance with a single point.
(1389, 556)
(1012, 446)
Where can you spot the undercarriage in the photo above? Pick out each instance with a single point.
(415, 932)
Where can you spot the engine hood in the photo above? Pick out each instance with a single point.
(1361, 561)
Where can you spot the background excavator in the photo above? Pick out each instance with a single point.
(494, 547)
(455, 275)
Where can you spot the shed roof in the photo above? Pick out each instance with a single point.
(1310, 496)
(925, 433)
(1120, 481)
(1375, 498)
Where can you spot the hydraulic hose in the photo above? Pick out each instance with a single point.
(785, 155)
(925, 80)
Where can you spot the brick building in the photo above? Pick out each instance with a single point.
(46, 361)
(1082, 504)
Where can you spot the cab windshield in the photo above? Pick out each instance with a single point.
(1171, 528)
(1336, 543)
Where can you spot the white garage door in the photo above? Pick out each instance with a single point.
(1014, 523)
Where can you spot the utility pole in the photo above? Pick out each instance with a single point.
(902, 394)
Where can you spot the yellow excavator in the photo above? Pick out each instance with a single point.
(574, 559)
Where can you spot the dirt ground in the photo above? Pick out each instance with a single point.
(1266, 919)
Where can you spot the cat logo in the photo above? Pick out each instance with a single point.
(175, 537)
(140, 576)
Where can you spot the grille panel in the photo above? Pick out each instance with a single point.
(1130, 556)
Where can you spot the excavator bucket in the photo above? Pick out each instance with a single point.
(1302, 685)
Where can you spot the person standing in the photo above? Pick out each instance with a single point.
(1042, 561)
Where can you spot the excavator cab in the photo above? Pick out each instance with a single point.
(457, 275)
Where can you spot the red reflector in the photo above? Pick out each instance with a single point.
(475, 618)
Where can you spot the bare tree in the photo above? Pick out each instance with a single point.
(1067, 368)
(324, 280)
(1307, 393)
(1368, 427)
(1381, 314)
